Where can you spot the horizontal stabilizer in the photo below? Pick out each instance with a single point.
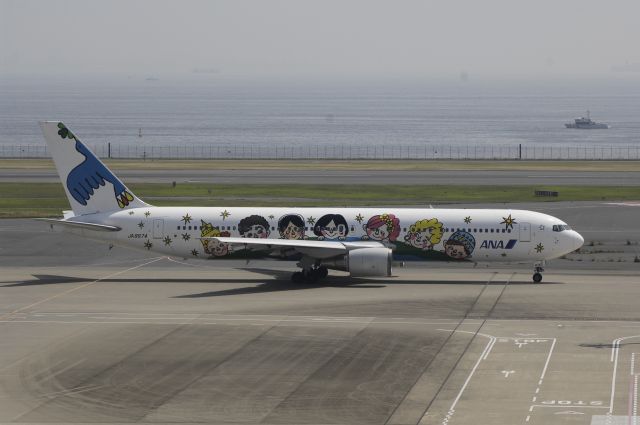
(81, 225)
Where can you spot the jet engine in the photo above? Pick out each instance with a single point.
(363, 262)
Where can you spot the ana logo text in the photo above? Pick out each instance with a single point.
(489, 244)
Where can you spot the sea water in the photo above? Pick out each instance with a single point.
(213, 110)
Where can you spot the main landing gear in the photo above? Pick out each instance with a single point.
(310, 276)
(538, 268)
(311, 271)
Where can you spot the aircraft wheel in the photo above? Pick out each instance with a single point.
(311, 276)
(537, 277)
(297, 277)
(322, 272)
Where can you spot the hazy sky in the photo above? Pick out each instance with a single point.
(333, 39)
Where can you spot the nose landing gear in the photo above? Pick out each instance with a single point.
(538, 268)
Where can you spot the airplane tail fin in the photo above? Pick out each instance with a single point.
(90, 186)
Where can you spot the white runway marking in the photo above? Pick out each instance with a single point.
(635, 399)
(546, 364)
(615, 353)
(565, 406)
(452, 409)
(542, 375)
(483, 356)
(506, 373)
(490, 348)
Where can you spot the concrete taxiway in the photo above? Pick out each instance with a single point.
(90, 334)
(329, 176)
(154, 340)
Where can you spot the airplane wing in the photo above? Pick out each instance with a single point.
(81, 225)
(319, 249)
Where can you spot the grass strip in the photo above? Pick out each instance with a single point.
(48, 199)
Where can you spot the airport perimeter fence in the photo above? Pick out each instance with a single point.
(344, 152)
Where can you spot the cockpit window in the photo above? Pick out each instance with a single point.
(561, 227)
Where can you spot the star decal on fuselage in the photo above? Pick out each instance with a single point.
(141, 224)
(311, 220)
(539, 248)
(224, 214)
(186, 236)
(467, 219)
(508, 222)
(194, 252)
(359, 218)
(167, 240)
(148, 244)
(147, 213)
(186, 219)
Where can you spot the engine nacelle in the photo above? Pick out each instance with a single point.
(363, 262)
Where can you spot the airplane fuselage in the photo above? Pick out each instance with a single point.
(361, 241)
(413, 234)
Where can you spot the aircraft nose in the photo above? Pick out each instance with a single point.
(578, 240)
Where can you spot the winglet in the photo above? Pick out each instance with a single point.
(90, 186)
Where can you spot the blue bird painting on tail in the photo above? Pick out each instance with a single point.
(90, 174)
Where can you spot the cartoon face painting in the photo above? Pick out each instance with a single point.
(291, 226)
(424, 234)
(460, 245)
(383, 227)
(217, 248)
(331, 226)
(254, 226)
(210, 246)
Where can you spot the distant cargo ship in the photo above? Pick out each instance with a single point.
(586, 123)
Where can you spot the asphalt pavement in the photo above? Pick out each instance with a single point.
(356, 177)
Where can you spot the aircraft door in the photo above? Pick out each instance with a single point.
(525, 232)
(158, 228)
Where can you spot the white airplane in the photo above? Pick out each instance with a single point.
(361, 241)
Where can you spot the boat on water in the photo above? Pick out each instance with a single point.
(586, 123)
